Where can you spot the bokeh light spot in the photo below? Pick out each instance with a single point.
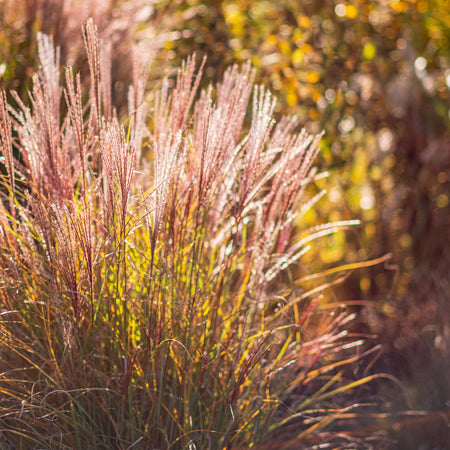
(304, 21)
(399, 6)
(313, 77)
(330, 95)
(447, 77)
(405, 241)
(347, 125)
(367, 200)
(420, 65)
(422, 6)
(385, 139)
(442, 201)
(364, 284)
(442, 177)
(369, 51)
(351, 11)
(340, 10)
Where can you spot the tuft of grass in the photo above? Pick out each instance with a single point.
(143, 294)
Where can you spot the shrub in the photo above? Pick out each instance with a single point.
(144, 266)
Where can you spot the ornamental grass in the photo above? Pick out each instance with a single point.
(148, 288)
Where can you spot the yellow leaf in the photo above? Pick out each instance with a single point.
(304, 21)
(399, 6)
(369, 51)
(316, 96)
(291, 98)
(284, 47)
(351, 11)
(313, 77)
(422, 6)
(297, 57)
(272, 39)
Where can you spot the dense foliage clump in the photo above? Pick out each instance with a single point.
(143, 301)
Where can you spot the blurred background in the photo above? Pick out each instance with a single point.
(375, 76)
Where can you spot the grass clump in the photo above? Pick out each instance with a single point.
(143, 295)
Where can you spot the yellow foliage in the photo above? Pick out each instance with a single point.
(304, 21)
(399, 6)
(313, 77)
(297, 57)
(351, 11)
